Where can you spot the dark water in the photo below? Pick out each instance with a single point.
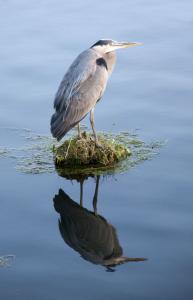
(150, 206)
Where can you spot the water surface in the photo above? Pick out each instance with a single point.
(149, 206)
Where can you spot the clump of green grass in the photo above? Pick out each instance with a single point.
(83, 152)
(34, 154)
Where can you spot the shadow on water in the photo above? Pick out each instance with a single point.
(87, 232)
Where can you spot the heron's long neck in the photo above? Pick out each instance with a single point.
(110, 58)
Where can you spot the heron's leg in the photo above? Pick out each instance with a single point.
(79, 132)
(81, 193)
(93, 127)
(96, 195)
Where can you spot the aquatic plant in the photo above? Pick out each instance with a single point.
(133, 152)
(36, 153)
(6, 260)
(76, 152)
(3, 151)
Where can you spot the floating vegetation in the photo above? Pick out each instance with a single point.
(4, 152)
(83, 152)
(33, 153)
(37, 157)
(36, 153)
(6, 260)
(133, 152)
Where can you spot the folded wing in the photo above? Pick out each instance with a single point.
(81, 87)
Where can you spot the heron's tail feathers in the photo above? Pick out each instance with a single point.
(58, 126)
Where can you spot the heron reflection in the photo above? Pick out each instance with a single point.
(89, 233)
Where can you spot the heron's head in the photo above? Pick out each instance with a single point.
(106, 46)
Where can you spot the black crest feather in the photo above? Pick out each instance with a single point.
(102, 43)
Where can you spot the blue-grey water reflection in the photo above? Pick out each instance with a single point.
(150, 206)
(89, 233)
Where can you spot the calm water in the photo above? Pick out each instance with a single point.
(151, 206)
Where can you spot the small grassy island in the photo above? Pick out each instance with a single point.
(39, 154)
(76, 152)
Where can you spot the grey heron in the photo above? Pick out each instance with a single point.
(83, 86)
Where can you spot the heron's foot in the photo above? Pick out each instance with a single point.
(96, 141)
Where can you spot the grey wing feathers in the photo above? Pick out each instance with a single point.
(78, 72)
(78, 92)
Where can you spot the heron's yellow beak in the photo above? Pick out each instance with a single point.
(117, 45)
